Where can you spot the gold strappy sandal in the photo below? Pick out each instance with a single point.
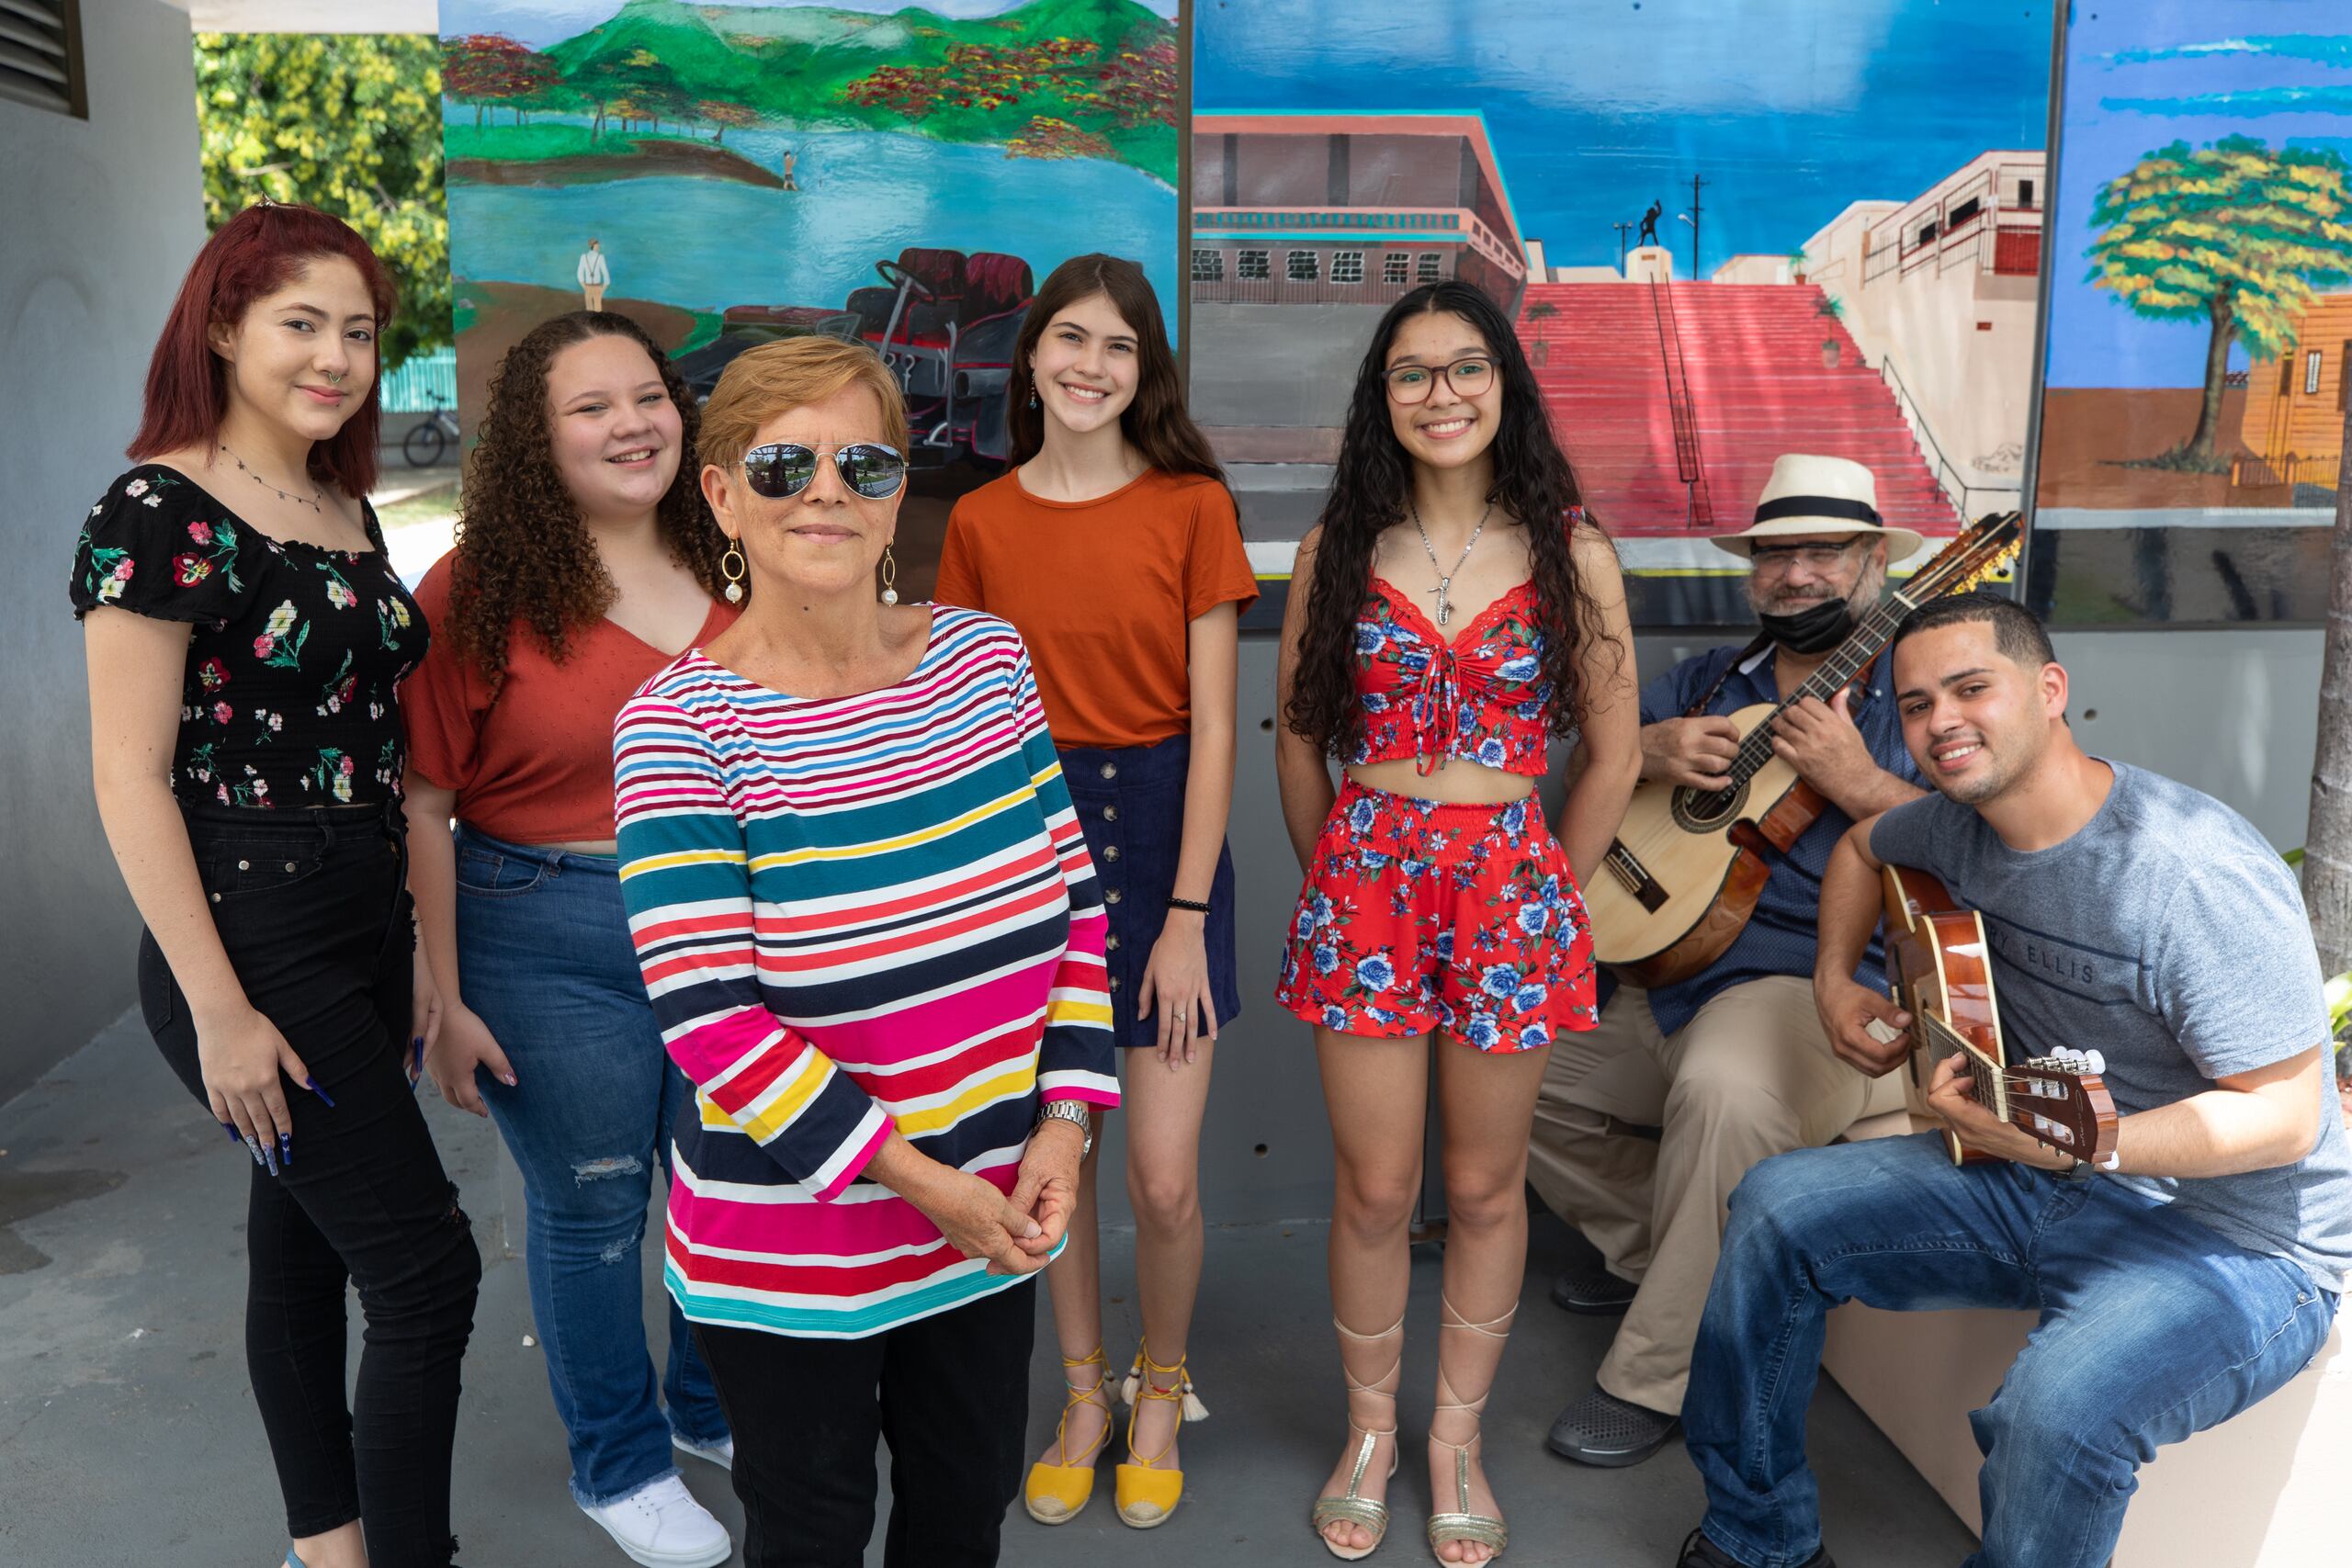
(1351, 1508)
(1147, 1493)
(1057, 1493)
(1460, 1524)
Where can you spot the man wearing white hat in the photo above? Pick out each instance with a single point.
(1647, 1124)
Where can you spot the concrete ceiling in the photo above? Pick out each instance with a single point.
(312, 15)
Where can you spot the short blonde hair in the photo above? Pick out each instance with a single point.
(764, 382)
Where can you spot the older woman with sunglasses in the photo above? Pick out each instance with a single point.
(871, 936)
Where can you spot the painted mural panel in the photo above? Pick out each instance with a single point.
(730, 172)
(2191, 434)
(1727, 231)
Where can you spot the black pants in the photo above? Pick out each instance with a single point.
(949, 1394)
(311, 907)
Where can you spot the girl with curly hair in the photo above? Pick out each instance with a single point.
(1113, 479)
(1452, 614)
(586, 561)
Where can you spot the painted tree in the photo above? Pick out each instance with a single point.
(482, 69)
(350, 124)
(724, 115)
(2236, 235)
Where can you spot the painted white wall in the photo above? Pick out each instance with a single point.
(103, 215)
(1962, 340)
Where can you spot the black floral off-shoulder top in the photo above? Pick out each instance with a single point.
(289, 697)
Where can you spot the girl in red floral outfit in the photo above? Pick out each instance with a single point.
(1452, 614)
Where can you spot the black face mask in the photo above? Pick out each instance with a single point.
(1813, 630)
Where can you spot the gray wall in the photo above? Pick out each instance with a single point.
(2234, 712)
(103, 215)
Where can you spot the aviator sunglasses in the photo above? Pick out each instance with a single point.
(783, 469)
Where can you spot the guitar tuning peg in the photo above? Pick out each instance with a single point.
(2094, 1064)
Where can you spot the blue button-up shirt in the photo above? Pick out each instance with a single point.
(1781, 936)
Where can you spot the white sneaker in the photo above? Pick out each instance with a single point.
(661, 1526)
(720, 1453)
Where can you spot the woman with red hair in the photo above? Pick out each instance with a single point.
(246, 635)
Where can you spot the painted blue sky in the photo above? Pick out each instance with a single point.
(2152, 72)
(1790, 108)
(543, 22)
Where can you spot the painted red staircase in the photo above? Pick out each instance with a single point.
(1751, 359)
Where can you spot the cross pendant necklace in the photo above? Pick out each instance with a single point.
(1444, 589)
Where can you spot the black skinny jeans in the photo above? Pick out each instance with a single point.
(313, 911)
(950, 1394)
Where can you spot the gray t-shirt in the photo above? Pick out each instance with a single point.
(2167, 935)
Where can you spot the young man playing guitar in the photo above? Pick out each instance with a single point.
(2126, 915)
(1645, 1125)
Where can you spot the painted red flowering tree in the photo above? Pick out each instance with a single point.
(724, 115)
(977, 77)
(1139, 84)
(1047, 137)
(482, 69)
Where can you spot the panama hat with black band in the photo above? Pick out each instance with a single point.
(1809, 496)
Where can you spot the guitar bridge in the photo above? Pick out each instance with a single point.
(1635, 877)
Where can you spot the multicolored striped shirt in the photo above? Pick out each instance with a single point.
(854, 913)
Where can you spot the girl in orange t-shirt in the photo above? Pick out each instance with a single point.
(588, 561)
(1112, 546)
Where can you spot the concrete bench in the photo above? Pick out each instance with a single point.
(2263, 1491)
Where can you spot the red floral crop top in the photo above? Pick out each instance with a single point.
(1481, 697)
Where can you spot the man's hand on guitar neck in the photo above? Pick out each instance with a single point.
(1848, 1009)
(1952, 1098)
(1820, 741)
(1693, 752)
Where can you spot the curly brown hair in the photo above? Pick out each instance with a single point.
(523, 552)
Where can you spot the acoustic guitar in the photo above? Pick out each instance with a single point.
(1938, 969)
(1683, 875)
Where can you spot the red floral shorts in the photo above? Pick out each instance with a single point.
(1420, 914)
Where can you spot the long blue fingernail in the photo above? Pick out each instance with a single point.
(231, 1128)
(286, 1147)
(313, 1085)
(416, 1055)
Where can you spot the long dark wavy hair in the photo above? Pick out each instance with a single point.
(1155, 424)
(523, 552)
(1533, 487)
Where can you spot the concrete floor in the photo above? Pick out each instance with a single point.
(128, 1436)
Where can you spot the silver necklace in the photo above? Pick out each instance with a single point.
(282, 495)
(1445, 588)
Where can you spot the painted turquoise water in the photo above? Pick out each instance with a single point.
(709, 243)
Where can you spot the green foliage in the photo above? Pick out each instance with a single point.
(350, 124)
(2238, 233)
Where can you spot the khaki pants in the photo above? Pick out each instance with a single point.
(1750, 1076)
(595, 295)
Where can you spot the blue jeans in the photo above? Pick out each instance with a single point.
(2152, 1327)
(545, 960)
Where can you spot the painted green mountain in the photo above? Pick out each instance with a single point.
(1052, 78)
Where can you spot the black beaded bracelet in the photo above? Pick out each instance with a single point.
(1194, 905)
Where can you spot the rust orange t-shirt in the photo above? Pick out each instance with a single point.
(531, 760)
(1104, 593)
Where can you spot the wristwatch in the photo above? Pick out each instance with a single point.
(1074, 1113)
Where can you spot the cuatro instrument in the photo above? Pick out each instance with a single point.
(1683, 875)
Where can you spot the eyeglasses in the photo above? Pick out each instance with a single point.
(785, 468)
(1414, 383)
(1769, 559)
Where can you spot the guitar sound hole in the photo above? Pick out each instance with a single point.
(1700, 811)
